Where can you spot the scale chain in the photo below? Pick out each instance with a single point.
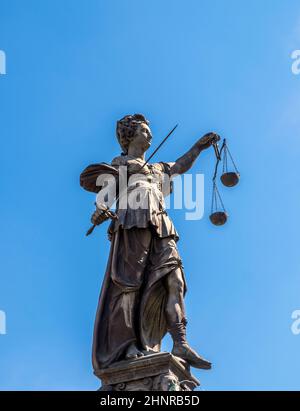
(227, 149)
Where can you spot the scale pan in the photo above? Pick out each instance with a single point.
(218, 218)
(230, 179)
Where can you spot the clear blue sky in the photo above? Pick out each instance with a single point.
(73, 68)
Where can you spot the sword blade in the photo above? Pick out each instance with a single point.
(156, 150)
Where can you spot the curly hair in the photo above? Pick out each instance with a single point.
(126, 128)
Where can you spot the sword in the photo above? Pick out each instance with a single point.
(107, 212)
(156, 150)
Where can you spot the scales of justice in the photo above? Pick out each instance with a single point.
(143, 290)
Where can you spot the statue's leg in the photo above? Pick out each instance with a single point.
(175, 309)
(132, 262)
(116, 331)
(175, 313)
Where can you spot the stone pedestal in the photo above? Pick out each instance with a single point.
(154, 372)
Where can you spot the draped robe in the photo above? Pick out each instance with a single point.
(131, 307)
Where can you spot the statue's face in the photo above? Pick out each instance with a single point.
(142, 137)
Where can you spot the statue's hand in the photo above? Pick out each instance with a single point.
(207, 140)
(98, 217)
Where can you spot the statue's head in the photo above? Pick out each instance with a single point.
(134, 129)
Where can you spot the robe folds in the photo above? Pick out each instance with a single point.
(132, 301)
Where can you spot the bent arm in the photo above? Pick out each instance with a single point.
(184, 163)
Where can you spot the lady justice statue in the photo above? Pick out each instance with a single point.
(142, 295)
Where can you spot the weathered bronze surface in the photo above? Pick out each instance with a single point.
(142, 295)
(230, 179)
(218, 218)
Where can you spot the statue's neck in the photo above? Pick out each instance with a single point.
(137, 153)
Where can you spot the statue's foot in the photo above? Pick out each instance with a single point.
(185, 352)
(133, 352)
(149, 352)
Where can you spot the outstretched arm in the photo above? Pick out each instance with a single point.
(184, 163)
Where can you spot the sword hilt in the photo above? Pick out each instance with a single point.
(109, 214)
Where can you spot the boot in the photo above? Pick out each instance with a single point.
(182, 349)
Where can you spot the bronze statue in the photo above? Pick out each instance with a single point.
(142, 295)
